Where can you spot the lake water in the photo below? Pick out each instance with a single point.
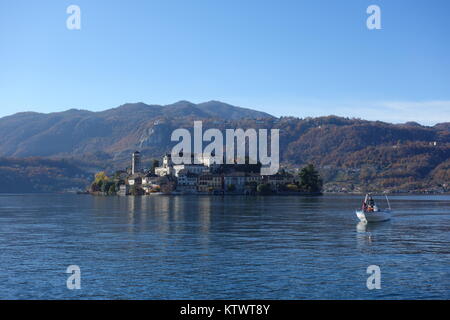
(200, 247)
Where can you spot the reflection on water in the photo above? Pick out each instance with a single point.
(201, 247)
(367, 232)
(363, 237)
(361, 227)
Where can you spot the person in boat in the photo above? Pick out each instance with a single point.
(368, 204)
(371, 202)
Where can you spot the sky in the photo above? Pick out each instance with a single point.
(285, 57)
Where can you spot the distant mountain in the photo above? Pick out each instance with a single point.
(445, 126)
(351, 154)
(35, 175)
(74, 132)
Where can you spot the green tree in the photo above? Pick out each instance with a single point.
(95, 187)
(106, 185)
(112, 189)
(310, 180)
(264, 189)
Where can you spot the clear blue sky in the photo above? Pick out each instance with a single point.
(300, 58)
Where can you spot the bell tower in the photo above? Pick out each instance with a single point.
(135, 162)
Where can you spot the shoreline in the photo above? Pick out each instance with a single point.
(238, 194)
(231, 194)
(279, 194)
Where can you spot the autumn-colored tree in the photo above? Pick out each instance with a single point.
(100, 183)
(101, 176)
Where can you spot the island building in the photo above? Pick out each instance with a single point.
(205, 165)
(187, 182)
(205, 177)
(136, 162)
(124, 189)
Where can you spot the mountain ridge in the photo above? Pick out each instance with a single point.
(201, 106)
(156, 107)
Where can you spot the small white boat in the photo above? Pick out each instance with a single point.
(371, 213)
(374, 216)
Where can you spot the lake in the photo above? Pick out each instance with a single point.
(214, 247)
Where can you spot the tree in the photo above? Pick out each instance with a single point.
(231, 187)
(264, 189)
(112, 189)
(310, 180)
(95, 187)
(101, 176)
(106, 186)
(99, 183)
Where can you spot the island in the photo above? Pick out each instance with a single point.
(204, 176)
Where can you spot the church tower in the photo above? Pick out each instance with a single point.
(136, 162)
